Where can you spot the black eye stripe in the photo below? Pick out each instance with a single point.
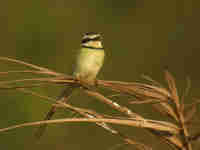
(89, 39)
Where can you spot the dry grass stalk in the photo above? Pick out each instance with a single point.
(176, 135)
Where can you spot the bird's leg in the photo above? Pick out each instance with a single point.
(96, 82)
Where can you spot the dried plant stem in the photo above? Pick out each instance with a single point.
(166, 100)
(179, 110)
(90, 114)
(114, 105)
(132, 122)
(152, 124)
(25, 71)
(48, 71)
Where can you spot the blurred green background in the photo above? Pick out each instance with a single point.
(140, 37)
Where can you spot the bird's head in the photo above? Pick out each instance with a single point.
(92, 40)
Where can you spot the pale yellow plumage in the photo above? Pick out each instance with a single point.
(89, 63)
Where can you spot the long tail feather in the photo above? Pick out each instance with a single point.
(63, 97)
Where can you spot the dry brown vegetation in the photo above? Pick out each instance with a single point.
(164, 100)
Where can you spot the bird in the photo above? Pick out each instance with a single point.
(89, 62)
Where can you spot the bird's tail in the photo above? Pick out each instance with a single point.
(63, 97)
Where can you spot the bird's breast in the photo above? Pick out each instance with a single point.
(89, 63)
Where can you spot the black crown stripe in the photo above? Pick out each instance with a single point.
(91, 33)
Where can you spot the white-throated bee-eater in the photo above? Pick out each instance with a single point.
(88, 63)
